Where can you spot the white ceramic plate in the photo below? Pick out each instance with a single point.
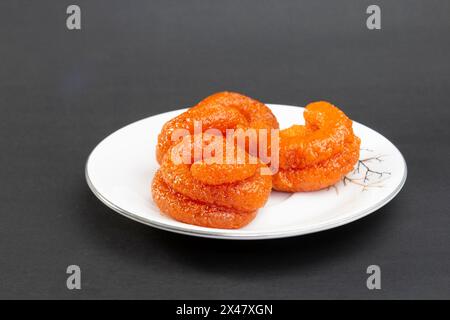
(120, 169)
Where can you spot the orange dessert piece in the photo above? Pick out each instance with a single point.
(208, 192)
(318, 154)
(220, 111)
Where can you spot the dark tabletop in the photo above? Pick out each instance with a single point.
(63, 91)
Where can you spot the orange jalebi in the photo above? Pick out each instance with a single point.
(221, 111)
(318, 154)
(210, 193)
(219, 194)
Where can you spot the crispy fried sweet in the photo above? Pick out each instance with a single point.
(324, 134)
(221, 111)
(318, 154)
(319, 175)
(186, 210)
(210, 193)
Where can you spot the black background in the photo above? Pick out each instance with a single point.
(62, 91)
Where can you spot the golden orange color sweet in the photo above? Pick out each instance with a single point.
(207, 193)
(221, 111)
(318, 154)
(218, 194)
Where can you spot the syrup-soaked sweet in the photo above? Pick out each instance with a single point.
(218, 194)
(221, 111)
(209, 193)
(318, 154)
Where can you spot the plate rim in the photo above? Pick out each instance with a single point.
(216, 234)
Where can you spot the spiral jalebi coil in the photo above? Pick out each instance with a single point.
(318, 154)
(210, 192)
(215, 193)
